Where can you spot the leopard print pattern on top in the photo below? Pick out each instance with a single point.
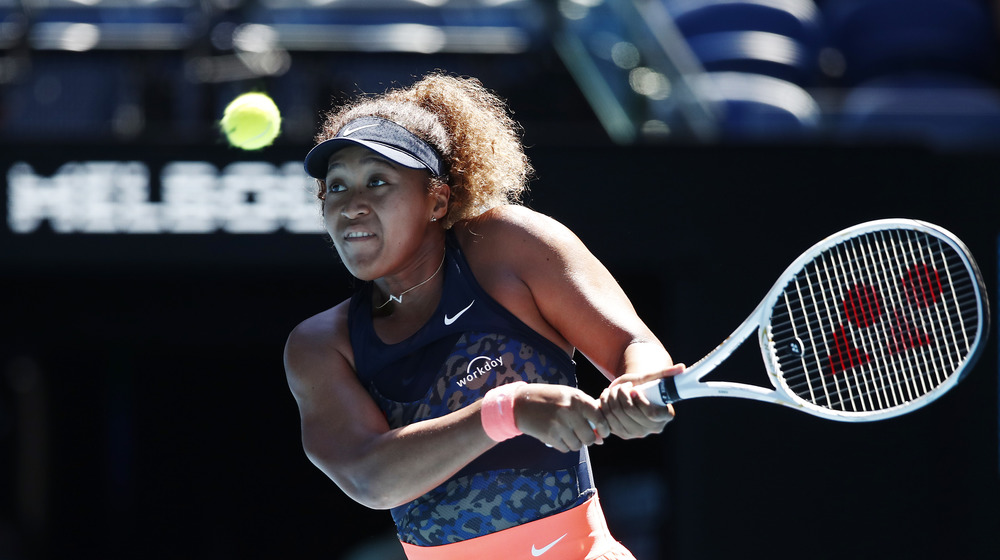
(478, 363)
(485, 502)
(471, 506)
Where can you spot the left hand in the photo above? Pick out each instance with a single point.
(563, 418)
(627, 410)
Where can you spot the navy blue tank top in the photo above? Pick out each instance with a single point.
(470, 345)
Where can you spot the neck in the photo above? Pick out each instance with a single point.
(398, 298)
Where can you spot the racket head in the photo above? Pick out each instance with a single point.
(874, 321)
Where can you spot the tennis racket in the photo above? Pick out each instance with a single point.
(875, 321)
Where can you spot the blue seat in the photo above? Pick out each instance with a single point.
(777, 38)
(879, 37)
(758, 52)
(799, 19)
(63, 97)
(940, 110)
(756, 107)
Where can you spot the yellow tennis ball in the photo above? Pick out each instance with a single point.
(251, 121)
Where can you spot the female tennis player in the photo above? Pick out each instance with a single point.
(444, 388)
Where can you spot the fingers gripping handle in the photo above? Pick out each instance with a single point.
(661, 392)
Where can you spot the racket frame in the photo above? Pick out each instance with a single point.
(688, 385)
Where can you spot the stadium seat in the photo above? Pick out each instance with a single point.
(798, 19)
(940, 110)
(757, 52)
(878, 37)
(757, 107)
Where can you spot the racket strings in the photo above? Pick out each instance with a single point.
(893, 387)
(876, 321)
(866, 390)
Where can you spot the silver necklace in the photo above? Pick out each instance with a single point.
(399, 298)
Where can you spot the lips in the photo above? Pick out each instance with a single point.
(355, 235)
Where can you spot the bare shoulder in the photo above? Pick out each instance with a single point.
(322, 338)
(512, 228)
(519, 256)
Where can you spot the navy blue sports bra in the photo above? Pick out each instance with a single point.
(470, 345)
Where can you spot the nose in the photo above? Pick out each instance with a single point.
(355, 207)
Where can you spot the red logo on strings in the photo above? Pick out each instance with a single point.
(920, 287)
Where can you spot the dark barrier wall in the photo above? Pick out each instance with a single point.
(143, 408)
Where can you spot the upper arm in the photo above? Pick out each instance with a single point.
(339, 418)
(346, 435)
(571, 289)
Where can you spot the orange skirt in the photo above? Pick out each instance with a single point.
(577, 534)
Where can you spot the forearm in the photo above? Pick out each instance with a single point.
(644, 358)
(400, 465)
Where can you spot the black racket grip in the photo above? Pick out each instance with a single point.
(668, 390)
(662, 391)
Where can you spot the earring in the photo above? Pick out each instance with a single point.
(434, 218)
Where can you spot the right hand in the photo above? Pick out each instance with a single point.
(629, 412)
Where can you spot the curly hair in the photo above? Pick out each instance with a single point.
(470, 127)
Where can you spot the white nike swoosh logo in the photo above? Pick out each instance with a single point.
(449, 320)
(544, 549)
(350, 131)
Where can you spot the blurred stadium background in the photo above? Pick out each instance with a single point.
(151, 273)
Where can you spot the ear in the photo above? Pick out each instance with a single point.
(441, 193)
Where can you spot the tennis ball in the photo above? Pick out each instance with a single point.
(251, 121)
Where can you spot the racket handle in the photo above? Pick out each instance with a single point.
(661, 392)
